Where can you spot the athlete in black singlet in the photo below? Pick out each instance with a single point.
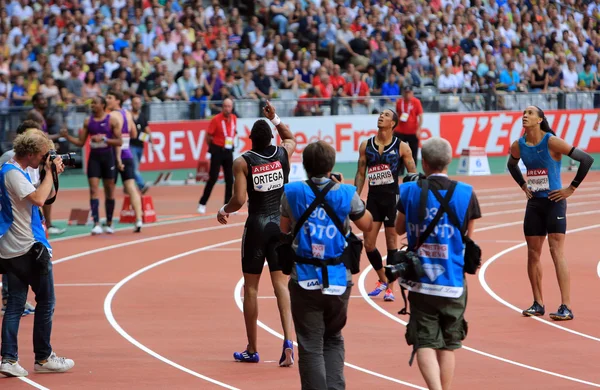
(261, 173)
(379, 162)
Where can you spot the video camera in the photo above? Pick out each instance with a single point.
(405, 265)
(68, 159)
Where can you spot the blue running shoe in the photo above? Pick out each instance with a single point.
(563, 314)
(246, 357)
(381, 286)
(389, 295)
(287, 355)
(535, 310)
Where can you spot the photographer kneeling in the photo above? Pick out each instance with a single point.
(438, 234)
(25, 252)
(321, 255)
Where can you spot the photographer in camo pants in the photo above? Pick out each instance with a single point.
(439, 297)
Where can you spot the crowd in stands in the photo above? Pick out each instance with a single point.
(177, 50)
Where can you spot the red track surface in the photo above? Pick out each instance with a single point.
(184, 310)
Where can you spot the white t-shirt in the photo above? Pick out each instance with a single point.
(19, 238)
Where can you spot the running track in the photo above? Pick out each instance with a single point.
(161, 309)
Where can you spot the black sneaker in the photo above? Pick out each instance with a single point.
(563, 314)
(535, 310)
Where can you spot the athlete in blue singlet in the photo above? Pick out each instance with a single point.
(541, 151)
(105, 133)
(124, 158)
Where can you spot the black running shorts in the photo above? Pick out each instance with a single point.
(260, 239)
(383, 208)
(128, 171)
(102, 165)
(544, 216)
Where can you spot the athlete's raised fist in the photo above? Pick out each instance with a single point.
(269, 110)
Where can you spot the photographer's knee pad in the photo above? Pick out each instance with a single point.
(375, 259)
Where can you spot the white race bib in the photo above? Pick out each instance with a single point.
(404, 117)
(125, 138)
(267, 177)
(97, 145)
(537, 180)
(379, 175)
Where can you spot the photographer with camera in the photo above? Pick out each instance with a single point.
(25, 252)
(438, 215)
(320, 255)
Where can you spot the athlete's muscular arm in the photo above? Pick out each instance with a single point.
(116, 124)
(407, 158)
(238, 198)
(513, 168)
(83, 134)
(288, 141)
(560, 147)
(359, 179)
(133, 133)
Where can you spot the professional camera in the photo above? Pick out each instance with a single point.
(405, 265)
(413, 177)
(68, 159)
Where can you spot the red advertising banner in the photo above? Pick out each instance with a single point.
(176, 145)
(495, 131)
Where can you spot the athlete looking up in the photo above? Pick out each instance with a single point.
(105, 133)
(380, 160)
(261, 173)
(541, 151)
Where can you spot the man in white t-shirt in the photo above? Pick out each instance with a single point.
(25, 254)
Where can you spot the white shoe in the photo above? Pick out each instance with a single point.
(109, 229)
(201, 208)
(97, 230)
(54, 364)
(138, 227)
(54, 230)
(12, 369)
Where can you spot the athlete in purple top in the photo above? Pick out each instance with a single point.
(125, 163)
(105, 134)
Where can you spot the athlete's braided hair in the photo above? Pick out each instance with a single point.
(544, 126)
(261, 135)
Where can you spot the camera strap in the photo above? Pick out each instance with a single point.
(444, 205)
(54, 180)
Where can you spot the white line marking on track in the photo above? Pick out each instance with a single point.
(363, 291)
(111, 319)
(598, 269)
(32, 383)
(491, 292)
(522, 209)
(237, 296)
(83, 284)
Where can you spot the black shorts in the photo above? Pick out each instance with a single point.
(259, 242)
(128, 171)
(102, 165)
(383, 208)
(544, 216)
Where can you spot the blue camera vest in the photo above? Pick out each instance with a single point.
(543, 172)
(319, 238)
(442, 254)
(6, 215)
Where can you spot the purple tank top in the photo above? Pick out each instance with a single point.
(125, 151)
(100, 127)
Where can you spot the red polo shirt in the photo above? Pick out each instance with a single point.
(220, 128)
(413, 109)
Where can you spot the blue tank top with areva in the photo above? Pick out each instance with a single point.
(320, 238)
(442, 254)
(543, 172)
(125, 151)
(100, 127)
(6, 214)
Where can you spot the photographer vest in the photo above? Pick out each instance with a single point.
(319, 238)
(125, 151)
(267, 174)
(6, 213)
(382, 169)
(442, 253)
(100, 127)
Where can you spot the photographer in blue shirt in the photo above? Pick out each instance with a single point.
(439, 235)
(321, 281)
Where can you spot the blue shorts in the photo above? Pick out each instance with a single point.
(544, 216)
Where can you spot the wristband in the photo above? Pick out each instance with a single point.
(222, 211)
(575, 184)
(276, 120)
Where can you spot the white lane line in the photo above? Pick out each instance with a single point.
(111, 319)
(598, 269)
(273, 297)
(515, 190)
(237, 296)
(522, 209)
(491, 292)
(363, 291)
(32, 383)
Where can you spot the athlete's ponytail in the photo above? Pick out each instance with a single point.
(544, 126)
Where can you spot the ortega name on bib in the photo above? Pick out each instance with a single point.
(267, 177)
(379, 175)
(537, 180)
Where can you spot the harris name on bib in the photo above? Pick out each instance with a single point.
(267, 177)
(379, 175)
(537, 179)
